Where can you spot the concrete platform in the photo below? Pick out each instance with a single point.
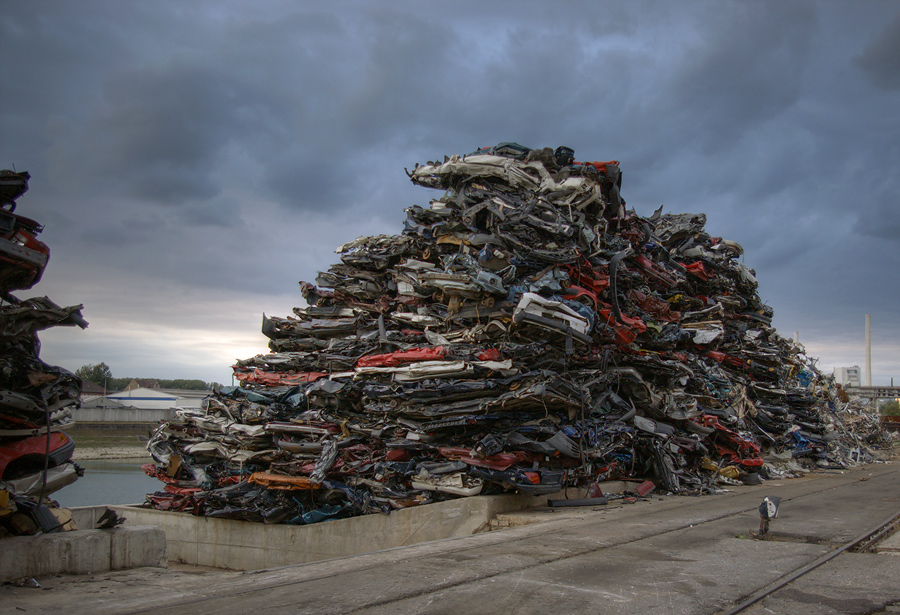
(660, 555)
(82, 552)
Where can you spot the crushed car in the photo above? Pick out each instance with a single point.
(525, 332)
(36, 399)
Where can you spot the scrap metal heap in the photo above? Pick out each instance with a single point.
(524, 333)
(36, 399)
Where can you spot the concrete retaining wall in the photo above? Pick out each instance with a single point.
(152, 537)
(243, 545)
(122, 415)
(87, 517)
(82, 551)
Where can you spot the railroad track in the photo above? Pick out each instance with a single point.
(463, 546)
(863, 543)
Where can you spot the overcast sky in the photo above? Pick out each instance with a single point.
(192, 161)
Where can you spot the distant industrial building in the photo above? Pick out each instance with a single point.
(159, 399)
(137, 406)
(848, 376)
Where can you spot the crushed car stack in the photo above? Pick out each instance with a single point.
(36, 399)
(524, 333)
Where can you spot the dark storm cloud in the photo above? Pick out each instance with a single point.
(881, 59)
(217, 146)
(131, 231)
(158, 131)
(46, 59)
(743, 71)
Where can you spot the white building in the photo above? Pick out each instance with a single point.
(105, 411)
(160, 399)
(848, 376)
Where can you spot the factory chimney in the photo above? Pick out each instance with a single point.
(868, 350)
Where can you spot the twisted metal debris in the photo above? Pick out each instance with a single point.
(525, 332)
(36, 399)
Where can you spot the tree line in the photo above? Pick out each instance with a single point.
(890, 408)
(101, 374)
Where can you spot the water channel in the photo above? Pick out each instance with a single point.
(109, 481)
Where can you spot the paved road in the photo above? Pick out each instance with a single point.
(667, 555)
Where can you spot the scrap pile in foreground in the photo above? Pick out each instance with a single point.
(36, 399)
(524, 333)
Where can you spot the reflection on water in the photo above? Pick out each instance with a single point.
(109, 481)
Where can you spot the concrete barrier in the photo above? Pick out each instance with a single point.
(86, 517)
(244, 545)
(151, 537)
(123, 415)
(82, 551)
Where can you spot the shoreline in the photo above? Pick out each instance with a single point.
(94, 453)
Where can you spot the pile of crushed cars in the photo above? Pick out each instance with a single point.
(36, 399)
(525, 333)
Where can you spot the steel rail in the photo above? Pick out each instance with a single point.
(869, 538)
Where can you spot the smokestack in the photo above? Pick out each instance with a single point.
(868, 350)
(796, 337)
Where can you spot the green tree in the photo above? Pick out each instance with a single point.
(185, 384)
(117, 384)
(98, 373)
(890, 408)
(101, 374)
